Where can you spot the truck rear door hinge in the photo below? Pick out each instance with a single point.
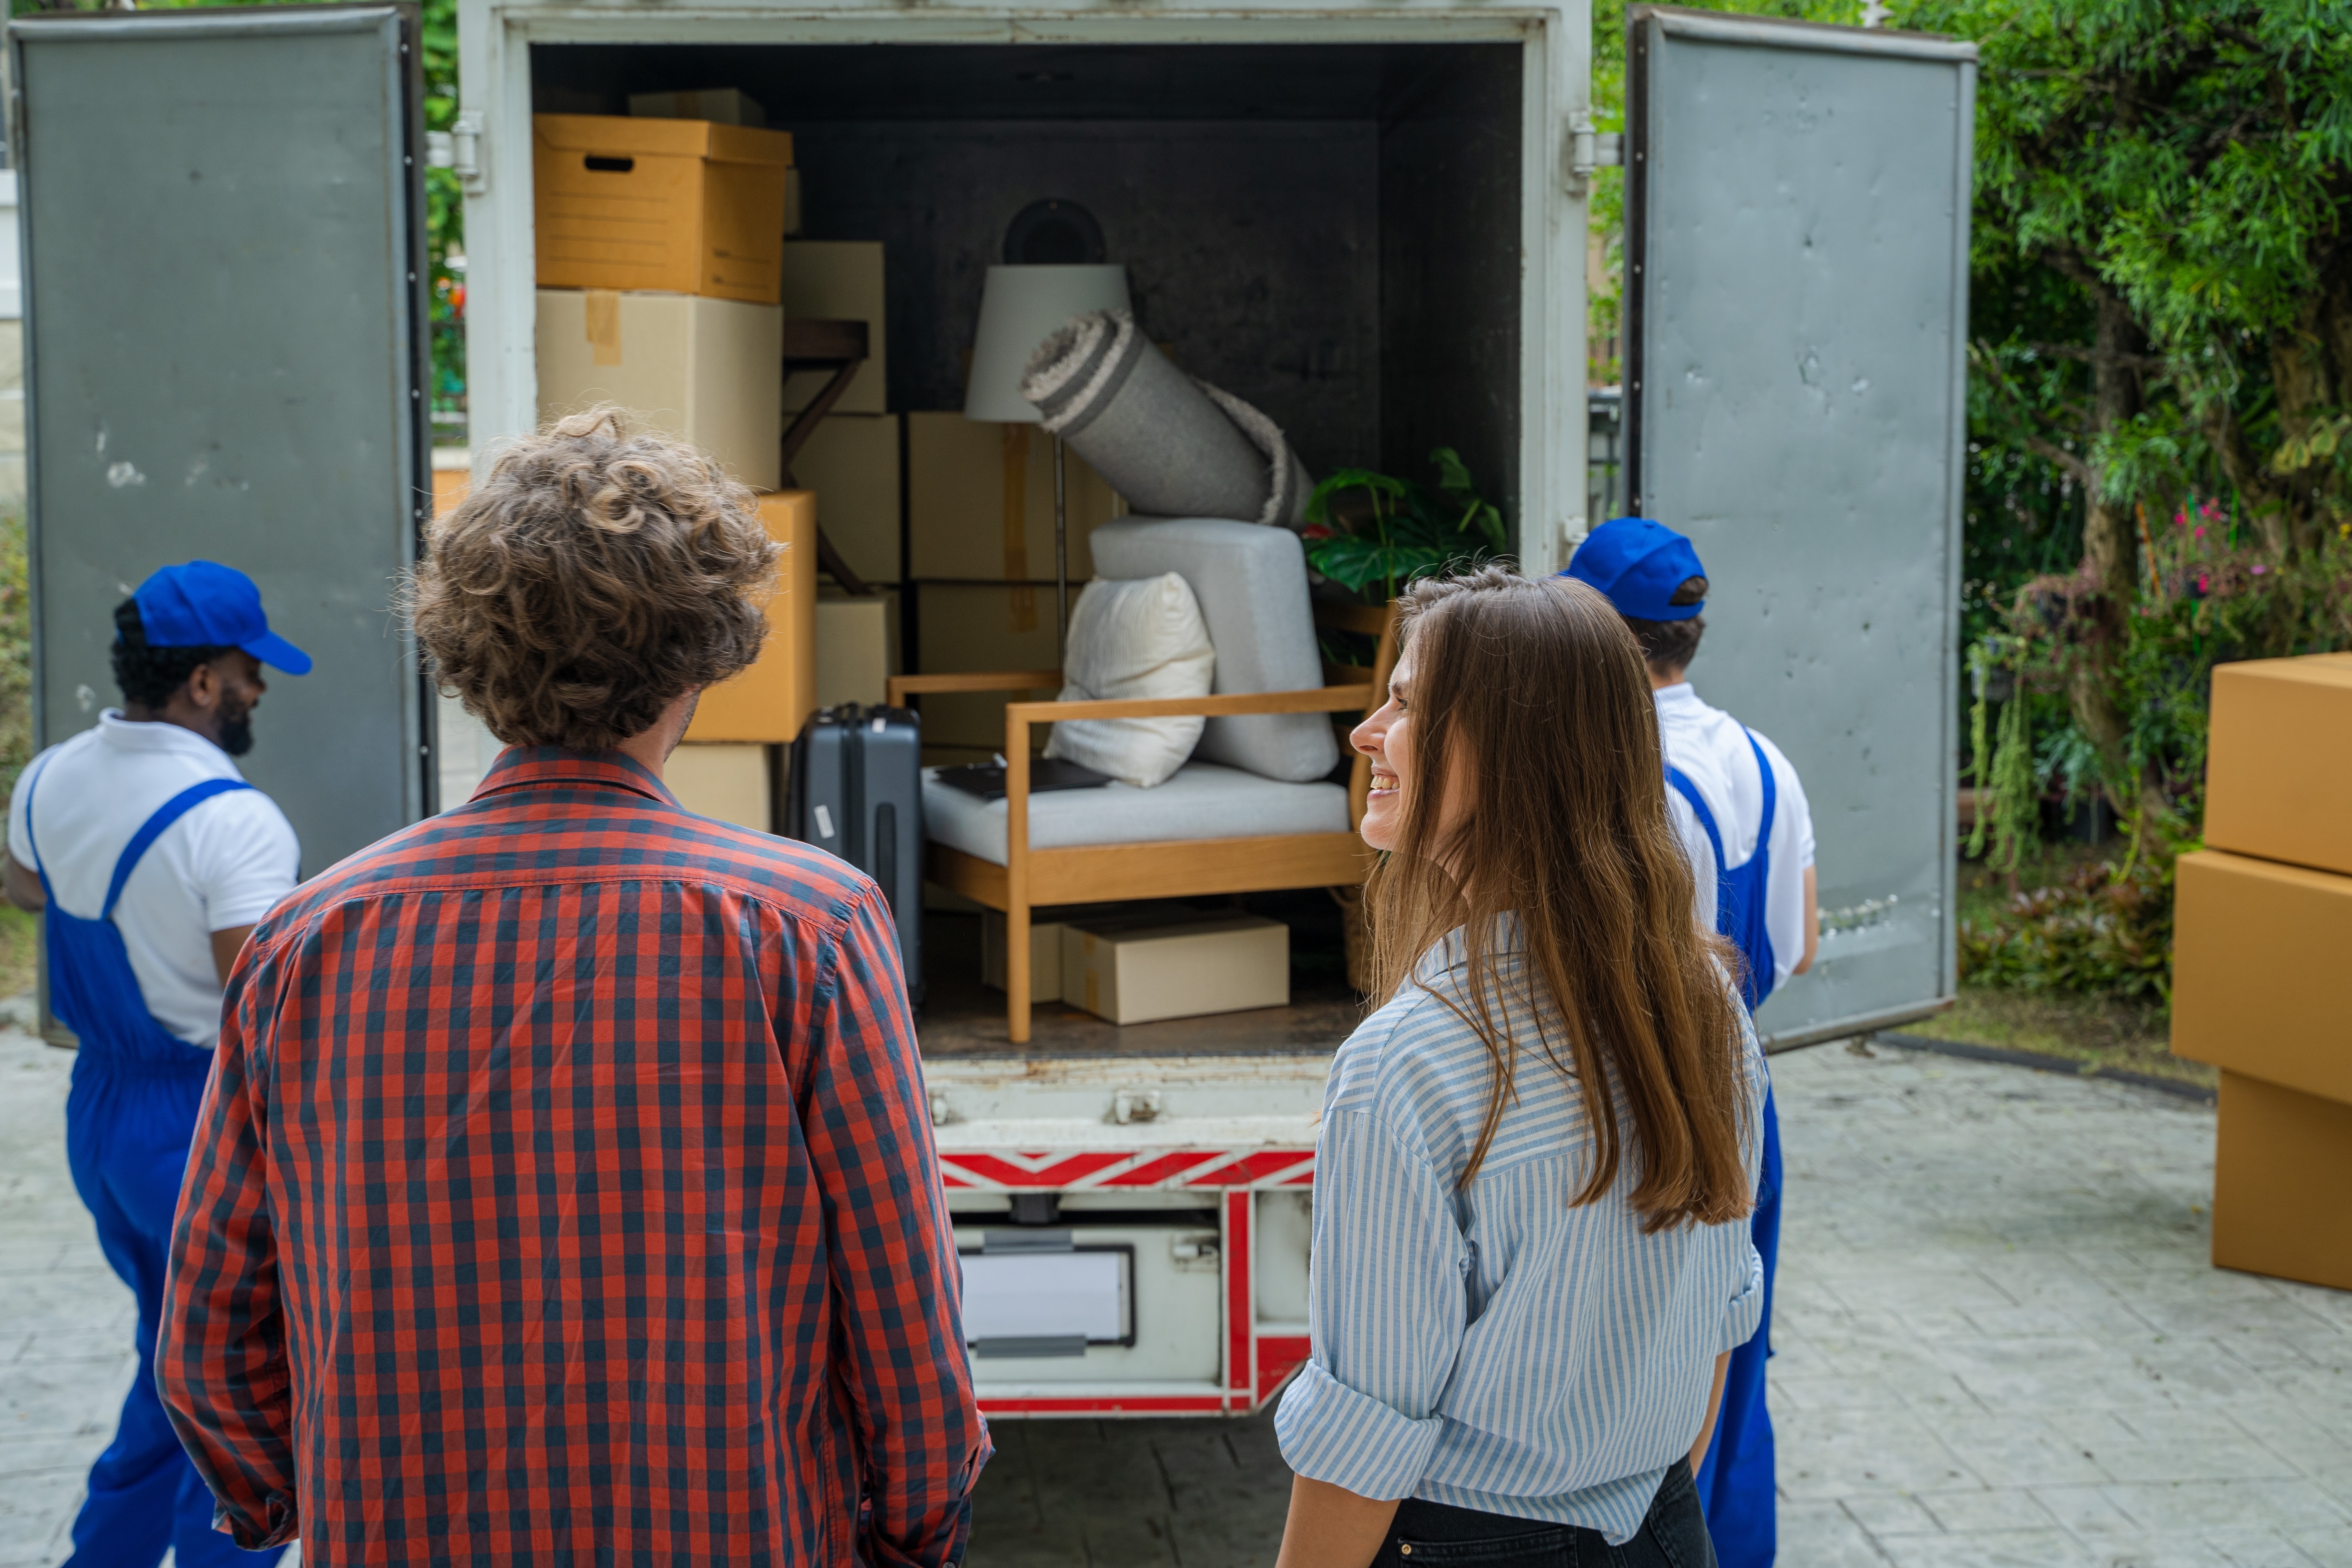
(458, 149)
(1589, 149)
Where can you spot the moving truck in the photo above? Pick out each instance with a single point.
(1369, 220)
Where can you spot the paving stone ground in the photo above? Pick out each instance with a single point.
(2001, 1346)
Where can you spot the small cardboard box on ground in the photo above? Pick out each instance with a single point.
(2283, 1184)
(1146, 968)
(700, 369)
(2278, 779)
(1046, 939)
(979, 502)
(838, 280)
(851, 461)
(687, 206)
(857, 647)
(962, 626)
(731, 782)
(768, 702)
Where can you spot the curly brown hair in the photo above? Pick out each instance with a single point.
(595, 575)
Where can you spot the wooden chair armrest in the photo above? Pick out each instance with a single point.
(904, 686)
(1321, 699)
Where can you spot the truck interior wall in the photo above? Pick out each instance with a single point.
(1450, 265)
(1252, 250)
(1331, 232)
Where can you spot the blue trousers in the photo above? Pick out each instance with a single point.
(1736, 1484)
(127, 1141)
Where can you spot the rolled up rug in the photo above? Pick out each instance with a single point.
(1172, 446)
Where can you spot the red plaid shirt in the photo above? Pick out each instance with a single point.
(564, 1191)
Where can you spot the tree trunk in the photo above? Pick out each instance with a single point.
(2109, 556)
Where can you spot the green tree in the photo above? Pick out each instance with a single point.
(2180, 167)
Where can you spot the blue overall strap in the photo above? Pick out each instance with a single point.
(32, 783)
(1689, 791)
(1772, 792)
(170, 811)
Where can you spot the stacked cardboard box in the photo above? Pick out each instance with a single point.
(661, 248)
(2262, 918)
(979, 551)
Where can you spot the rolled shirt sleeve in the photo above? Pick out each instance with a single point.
(1388, 1305)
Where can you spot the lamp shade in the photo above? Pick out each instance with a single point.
(1020, 309)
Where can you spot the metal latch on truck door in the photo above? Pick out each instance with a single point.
(1131, 1105)
(1589, 149)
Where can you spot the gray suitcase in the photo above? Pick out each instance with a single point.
(856, 790)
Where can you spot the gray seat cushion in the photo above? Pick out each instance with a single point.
(1252, 585)
(1203, 801)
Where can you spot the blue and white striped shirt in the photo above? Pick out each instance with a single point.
(1493, 1347)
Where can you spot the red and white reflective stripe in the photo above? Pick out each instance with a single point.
(994, 1170)
(1241, 1303)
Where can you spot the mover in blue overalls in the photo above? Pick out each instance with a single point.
(151, 857)
(1744, 821)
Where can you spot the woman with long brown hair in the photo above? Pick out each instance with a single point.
(1529, 1257)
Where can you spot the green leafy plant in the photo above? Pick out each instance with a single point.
(1365, 529)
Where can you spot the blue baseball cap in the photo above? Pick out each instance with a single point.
(205, 605)
(1638, 564)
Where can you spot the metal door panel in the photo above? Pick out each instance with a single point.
(221, 242)
(1798, 224)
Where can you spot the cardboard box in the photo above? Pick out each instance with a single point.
(701, 369)
(451, 484)
(857, 647)
(771, 700)
(838, 280)
(1045, 955)
(2278, 777)
(687, 206)
(851, 461)
(2282, 1176)
(730, 783)
(2258, 949)
(979, 502)
(1140, 973)
(725, 105)
(981, 627)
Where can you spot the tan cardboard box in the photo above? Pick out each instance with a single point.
(1139, 973)
(2283, 1184)
(2258, 948)
(768, 702)
(981, 627)
(700, 369)
(1045, 955)
(851, 461)
(685, 205)
(857, 647)
(979, 502)
(838, 280)
(2278, 777)
(730, 783)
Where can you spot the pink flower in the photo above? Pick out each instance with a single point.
(2198, 534)
(2260, 569)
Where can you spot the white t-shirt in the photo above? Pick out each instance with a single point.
(1711, 747)
(221, 866)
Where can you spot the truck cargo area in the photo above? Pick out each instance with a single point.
(1331, 233)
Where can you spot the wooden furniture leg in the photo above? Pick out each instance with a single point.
(1016, 879)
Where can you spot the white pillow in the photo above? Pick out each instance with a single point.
(1128, 641)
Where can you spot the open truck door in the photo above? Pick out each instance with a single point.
(224, 355)
(1797, 248)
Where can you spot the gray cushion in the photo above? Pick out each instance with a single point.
(1203, 801)
(1252, 585)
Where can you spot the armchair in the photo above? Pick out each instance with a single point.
(1216, 827)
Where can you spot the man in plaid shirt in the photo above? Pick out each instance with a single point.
(565, 1188)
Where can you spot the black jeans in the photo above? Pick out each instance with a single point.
(1673, 1536)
